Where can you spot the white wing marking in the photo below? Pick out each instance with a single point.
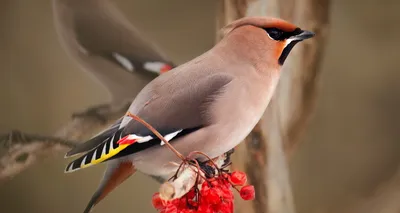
(124, 61)
(94, 155)
(83, 161)
(170, 136)
(139, 139)
(153, 66)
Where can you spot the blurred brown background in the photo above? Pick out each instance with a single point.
(350, 154)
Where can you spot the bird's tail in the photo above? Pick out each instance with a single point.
(116, 173)
(96, 140)
(106, 151)
(99, 154)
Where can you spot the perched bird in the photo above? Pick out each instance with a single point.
(106, 45)
(209, 104)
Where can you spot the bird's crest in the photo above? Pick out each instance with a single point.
(258, 21)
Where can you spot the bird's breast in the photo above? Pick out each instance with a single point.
(237, 113)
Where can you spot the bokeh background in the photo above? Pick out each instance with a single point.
(347, 162)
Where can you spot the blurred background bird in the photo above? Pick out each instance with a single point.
(106, 45)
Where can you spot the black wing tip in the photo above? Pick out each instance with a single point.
(74, 152)
(95, 141)
(70, 154)
(75, 165)
(69, 168)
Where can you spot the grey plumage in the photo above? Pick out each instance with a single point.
(101, 40)
(201, 92)
(109, 173)
(213, 101)
(95, 140)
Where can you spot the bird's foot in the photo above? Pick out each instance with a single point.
(227, 161)
(209, 170)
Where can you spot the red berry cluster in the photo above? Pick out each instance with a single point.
(215, 196)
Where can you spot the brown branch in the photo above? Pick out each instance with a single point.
(305, 64)
(291, 107)
(20, 150)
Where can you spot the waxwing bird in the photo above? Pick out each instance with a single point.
(103, 42)
(209, 104)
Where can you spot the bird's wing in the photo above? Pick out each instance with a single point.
(95, 140)
(105, 44)
(173, 112)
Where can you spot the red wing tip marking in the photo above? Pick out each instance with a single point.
(126, 141)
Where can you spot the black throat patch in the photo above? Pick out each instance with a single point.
(286, 52)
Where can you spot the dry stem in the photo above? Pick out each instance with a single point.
(185, 180)
(19, 150)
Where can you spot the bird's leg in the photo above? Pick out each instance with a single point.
(225, 166)
(227, 161)
(208, 170)
(198, 175)
(208, 158)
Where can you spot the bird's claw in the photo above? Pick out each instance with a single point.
(208, 170)
(227, 161)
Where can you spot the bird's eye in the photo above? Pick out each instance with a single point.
(275, 33)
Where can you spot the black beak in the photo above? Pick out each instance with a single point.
(303, 35)
(298, 36)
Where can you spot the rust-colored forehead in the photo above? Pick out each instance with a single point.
(260, 21)
(278, 23)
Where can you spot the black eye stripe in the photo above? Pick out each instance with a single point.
(275, 33)
(280, 35)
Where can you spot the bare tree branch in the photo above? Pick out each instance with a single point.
(17, 150)
(20, 150)
(304, 68)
